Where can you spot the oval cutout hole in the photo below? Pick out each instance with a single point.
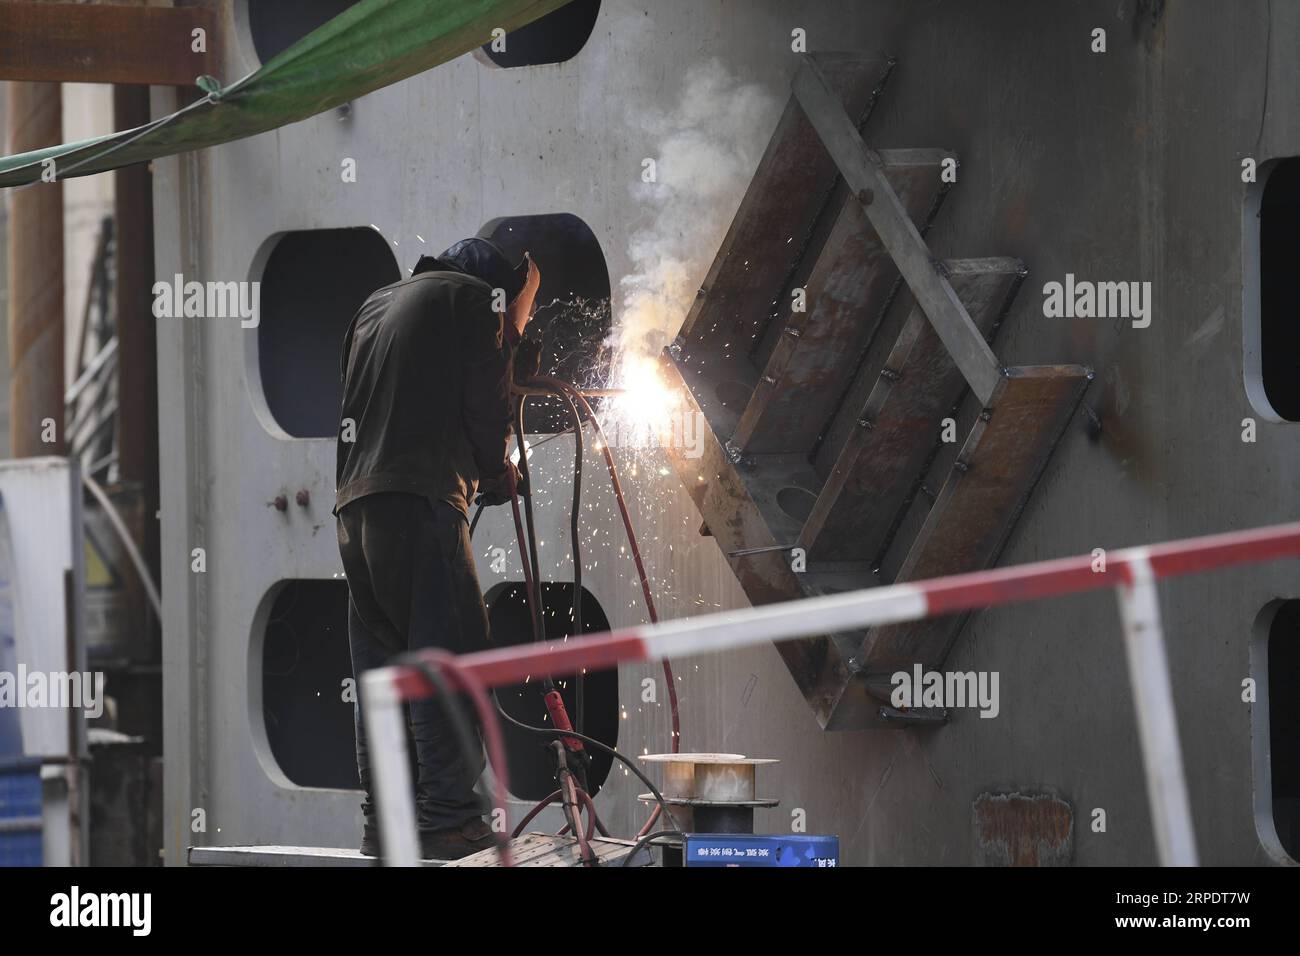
(796, 502)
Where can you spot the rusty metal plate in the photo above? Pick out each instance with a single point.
(775, 219)
(974, 513)
(879, 464)
(816, 351)
(1016, 829)
(105, 43)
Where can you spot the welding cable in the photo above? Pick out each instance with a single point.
(528, 561)
(574, 535)
(636, 556)
(600, 745)
(527, 494)
(532, 580)
(649, 840)
(472, 687)
(555, 795)
(618, 489)
(528, 817)
(572, 812)
(554, 385)
(552, 695)
(534, 609)
(593, 823)
(569, 806)
(549, 689)
(569, 800)
(579, 695)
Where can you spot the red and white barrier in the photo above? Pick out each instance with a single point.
(1133, 572)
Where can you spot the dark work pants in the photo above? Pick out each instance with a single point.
(412, 584)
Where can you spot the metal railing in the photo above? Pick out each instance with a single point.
(1132, 572)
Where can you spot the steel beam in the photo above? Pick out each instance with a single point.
(776, 218)
(863, 170)
(973, 515)
(816, 350)
(111, 43)
(35, 279)
(137, 370)
(889, 435)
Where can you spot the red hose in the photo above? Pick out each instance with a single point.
(636, 557)
(471, 686)
(534, 592)
(528, 817)
(593, 823)
(571, 806)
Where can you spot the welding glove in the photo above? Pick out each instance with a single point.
(528, 360)
(496, 491)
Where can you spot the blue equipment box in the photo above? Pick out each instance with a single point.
(20, 811)
(755, 849)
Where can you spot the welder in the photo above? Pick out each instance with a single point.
(425, 424)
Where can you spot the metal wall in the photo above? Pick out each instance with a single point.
(1115, 166)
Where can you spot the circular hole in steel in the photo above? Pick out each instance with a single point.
(796, 502)
(731, 394)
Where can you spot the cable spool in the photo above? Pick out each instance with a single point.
(710, 793)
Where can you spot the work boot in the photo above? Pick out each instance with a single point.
(370, 845)
(453, 843)
(369, 839)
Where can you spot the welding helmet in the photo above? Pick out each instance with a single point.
(483, 259)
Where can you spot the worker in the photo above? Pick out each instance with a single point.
(426, 420)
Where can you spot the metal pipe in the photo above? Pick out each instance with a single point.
(137, 367)
(1153, 699)
(119, 526)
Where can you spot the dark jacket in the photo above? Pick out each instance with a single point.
(426, 372)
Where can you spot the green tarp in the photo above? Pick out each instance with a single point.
(368, 46)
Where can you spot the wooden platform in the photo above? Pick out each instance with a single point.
(545, 849)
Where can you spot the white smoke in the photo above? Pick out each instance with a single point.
(707, 148)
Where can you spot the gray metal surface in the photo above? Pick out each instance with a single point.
(1123, 165)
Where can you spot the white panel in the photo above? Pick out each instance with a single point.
(40, 527)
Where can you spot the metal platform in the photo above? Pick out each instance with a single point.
(532, 849)
(291, 856)
(545, 849)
